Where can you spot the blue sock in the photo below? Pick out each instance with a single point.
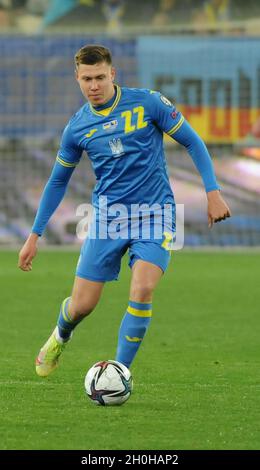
(132, 331)
(65, 323)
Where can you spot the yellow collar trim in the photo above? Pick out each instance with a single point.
(107, 111)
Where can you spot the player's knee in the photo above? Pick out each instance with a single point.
(80, 309)
(142, 291)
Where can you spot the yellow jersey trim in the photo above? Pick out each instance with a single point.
(176, 127)
(104, 112)
(107, 111)
(66, 164)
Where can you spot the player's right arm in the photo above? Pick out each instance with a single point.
(53, 193)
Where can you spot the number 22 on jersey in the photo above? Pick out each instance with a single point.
(129, 118)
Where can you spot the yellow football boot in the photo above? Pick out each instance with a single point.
(48, 357)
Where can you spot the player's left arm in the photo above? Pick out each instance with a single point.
(173, 123)
(217, 207)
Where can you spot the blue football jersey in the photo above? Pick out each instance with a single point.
(124, 141)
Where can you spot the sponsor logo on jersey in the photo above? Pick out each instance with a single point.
(165, 100)
(110, 126)
(116, 147)
(90, 133)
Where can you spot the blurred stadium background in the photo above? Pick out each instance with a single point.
(203, 55)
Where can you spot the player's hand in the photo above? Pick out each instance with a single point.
(217, 208)
(28, 252)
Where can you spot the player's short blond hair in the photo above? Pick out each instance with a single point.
(93, 54)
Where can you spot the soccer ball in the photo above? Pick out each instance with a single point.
(108, 383)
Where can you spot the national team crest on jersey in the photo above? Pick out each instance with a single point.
(165, 100)
(116, 147)
(111, 125)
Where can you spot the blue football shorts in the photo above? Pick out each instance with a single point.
(100, 259)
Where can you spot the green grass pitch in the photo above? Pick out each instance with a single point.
(196, 377)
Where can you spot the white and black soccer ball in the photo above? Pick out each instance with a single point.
(108, 383)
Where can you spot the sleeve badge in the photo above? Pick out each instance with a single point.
(165, 100)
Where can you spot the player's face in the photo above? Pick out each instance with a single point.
(96, 82)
